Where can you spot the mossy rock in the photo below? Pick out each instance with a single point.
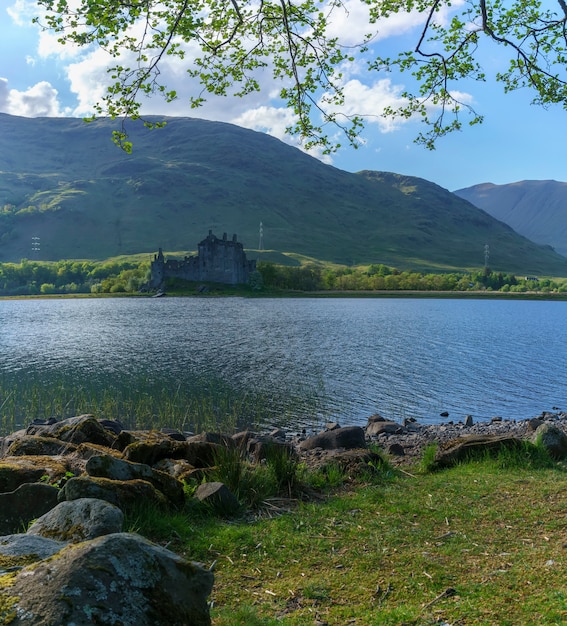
(116, 579)
(123, 493)
(19, 470)
(469, 447)
(34, 445)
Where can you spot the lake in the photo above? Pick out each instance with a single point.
(307, 360)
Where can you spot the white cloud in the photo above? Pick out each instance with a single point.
(40, 100)
(22, 12)
(369, 101)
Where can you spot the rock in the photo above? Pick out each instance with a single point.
(119, 579)
(18, 470)
(33, 445)
(209, 437)
(24, 504)
(106, 466)
(264, 448)
(332, 426)
(202, 453)
(534, 423)
(174, 467)
(218, 496)
(553, 439)
(379, 427)
(444, 414)
(375, 418)
(154, 449)
(347, 437)
(79, 429)
(114, 426)
(79, 520)
(469, 421)
(31, 548)
(278, 433)
(175, 434)
(461, 448)
(242, 438)
(123, 494)
(396, 449)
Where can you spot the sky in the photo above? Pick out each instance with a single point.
(517, 141)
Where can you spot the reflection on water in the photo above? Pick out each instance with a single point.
(307, 360)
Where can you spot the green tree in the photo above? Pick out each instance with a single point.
(296, 43)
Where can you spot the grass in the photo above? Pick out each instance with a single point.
(482, 543)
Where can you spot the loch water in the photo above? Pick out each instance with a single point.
(311, 359)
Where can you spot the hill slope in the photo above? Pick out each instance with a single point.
(65, 182)
(536, 209)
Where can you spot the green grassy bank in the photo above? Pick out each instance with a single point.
(482, 543)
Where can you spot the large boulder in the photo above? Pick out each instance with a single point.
(348, 437)
(76, 430)
(18, 470)
(116, 579)
(107, 466)
(79, 520)
(464, 448)
(35, 445)
(219, 497)
(123, 493)
(28, 502)
(553, 439)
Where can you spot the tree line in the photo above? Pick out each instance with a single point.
(111, 277)
(69, 277)
(378, 277)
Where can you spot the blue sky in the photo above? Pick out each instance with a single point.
(517, 140)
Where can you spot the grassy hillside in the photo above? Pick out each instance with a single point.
(67, 183)
(536, 209)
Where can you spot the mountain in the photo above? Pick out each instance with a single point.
(536, 209)
(65, 182)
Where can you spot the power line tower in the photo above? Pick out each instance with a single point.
(261, 242)
(35, 247)
(486, 254)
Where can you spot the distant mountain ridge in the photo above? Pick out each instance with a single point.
(536, 209)
(65, 182)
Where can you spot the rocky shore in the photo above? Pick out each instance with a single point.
(65, 486)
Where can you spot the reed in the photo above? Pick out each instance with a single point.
(204, 404)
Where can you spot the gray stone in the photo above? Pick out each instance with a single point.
(553, 439)
(116, 579)
(30, 546)
(265, 448)
(379, 427)
(79, 520)
(396, 449)
(28, 502)
(349, 437)
(469, 421)
(218, 496)
(107, 466)
(462, 448)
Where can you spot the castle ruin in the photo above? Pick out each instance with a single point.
(217, 261)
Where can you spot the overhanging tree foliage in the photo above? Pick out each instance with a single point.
(226, 42)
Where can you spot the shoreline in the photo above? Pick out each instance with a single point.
(405, 442)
